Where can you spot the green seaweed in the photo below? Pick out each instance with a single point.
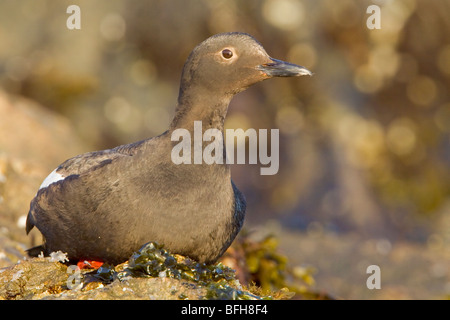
(152, 260)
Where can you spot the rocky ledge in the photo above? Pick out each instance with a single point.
(150, 273)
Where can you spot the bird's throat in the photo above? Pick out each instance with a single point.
(210, 110)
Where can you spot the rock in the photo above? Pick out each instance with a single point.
(10, 251)
(135, 289)
(40, 278)
(33, 277)
(35, 134)
(19, 180)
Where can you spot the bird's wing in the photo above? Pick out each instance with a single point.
(72, 168)
(93, 160)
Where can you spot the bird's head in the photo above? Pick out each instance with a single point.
(228, 63)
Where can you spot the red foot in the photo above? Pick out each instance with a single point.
(89, 264)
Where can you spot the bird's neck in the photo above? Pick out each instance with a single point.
(202, 106)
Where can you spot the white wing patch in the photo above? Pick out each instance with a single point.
(52, 178)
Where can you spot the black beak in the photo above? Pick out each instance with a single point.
(278, 68)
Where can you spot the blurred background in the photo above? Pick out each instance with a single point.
(364, 172)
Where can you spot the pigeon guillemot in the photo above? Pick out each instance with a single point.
(105, 205)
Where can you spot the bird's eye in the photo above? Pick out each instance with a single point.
(227, 53)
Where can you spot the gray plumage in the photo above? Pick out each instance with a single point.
(105, 205)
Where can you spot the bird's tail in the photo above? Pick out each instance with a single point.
(36, 251)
